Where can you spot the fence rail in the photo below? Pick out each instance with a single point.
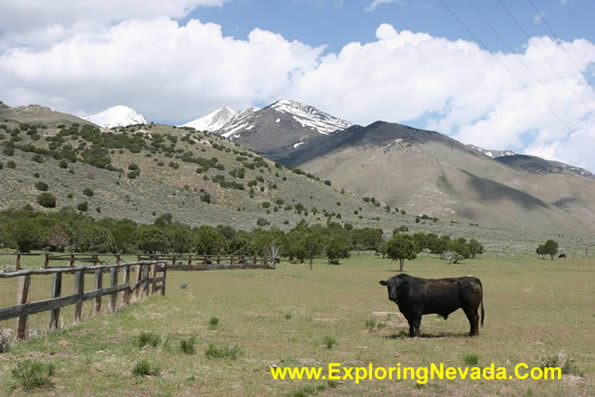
(212, 262)
(174, 261)
(146, 282)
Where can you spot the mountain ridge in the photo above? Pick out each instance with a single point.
(116, 116)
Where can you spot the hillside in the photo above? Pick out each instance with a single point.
(141, 172)
(428, 172)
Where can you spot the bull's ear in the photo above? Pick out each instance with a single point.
(383, 282)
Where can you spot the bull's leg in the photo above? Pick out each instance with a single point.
(411, 328)
(473, 318)
(416, 324)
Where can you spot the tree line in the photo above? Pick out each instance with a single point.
(69, 230)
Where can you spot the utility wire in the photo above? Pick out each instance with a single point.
(546, 23)
(518, 58)
(541, 52)
(523, 84)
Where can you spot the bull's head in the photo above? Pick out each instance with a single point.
(394, 285)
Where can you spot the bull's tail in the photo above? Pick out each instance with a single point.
(483, 313)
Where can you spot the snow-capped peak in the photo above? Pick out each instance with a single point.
(117, 116)
(310, 117)
(215, 120)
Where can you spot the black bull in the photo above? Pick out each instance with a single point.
(418, 296)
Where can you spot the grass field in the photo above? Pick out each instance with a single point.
(534, 309)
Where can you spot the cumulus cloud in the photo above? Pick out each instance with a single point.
(166, 70)
(177, 72)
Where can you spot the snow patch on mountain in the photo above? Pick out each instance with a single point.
(117, 116)
(310, 117)
(213, 121)
(493, 153)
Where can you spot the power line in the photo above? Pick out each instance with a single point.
(558, 39)
(518, 58)
(523, 84)
(541, 52)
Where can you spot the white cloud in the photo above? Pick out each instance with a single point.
(375, 3)
(162, 69)
(174, 72)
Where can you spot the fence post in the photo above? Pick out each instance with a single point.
(98, 285)
(46, 259)
(71, 259)
(126, 295)
(56, 290)
(146, 290)
(231, 260)
(114, 282)
(254, 260)
(22, 298)
(218, 259)
(164, 278)
(18, 264)
(137, 279)
(189, 259)
(153, 276)
(79, 288)
(117, 258)
(205, 260)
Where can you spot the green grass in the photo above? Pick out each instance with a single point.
(145, 368)
(471, 359)
(534, 309)
(31, 374)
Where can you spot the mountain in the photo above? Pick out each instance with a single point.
(142, 172)
(532, 164)
(3, 106)
(117, 116)
(275, 130)
(213, 121)
(39, 114)
(537, 165)
(426, 172)
(493, 153)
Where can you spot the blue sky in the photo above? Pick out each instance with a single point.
(400, 61)
(335, 23)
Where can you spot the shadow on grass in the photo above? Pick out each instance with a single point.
(404, 334)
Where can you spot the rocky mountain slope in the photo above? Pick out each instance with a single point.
(275, 130)
(427, 172)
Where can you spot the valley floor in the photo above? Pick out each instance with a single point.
(535, 309)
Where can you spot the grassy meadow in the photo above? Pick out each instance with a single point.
(535, 309)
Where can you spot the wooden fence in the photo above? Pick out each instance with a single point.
(211, 262)
(174, 261)
(46, 258)
(146, 282)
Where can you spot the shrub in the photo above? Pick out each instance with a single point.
(231, 352)
(288, 316)
(88, 192)
(11, 164)
(329, 342)
(132, 174)
(46, 200)
(63, 164)
(471, 359)
(187, 346)
(84, 206)
(31, 374)
(38, 158)
(132, 167)
(327, 182)
(371, 324)
(146, 339)
(144, 368)
(566, 364)
(213, 322)
(42, 186)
